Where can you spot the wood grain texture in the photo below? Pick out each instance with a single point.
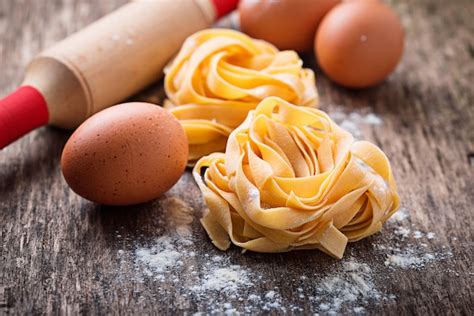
(62, 254)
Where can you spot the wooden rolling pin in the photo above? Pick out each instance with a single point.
(103, 64)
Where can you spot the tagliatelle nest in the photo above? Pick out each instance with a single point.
(291, 178)
(219, 75)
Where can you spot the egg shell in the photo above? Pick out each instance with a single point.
(126, 154)
(359, 43)
(288, 24)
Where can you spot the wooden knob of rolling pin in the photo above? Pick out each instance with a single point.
(103, 64)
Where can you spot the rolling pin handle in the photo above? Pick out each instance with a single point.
(224, 6)
(21, 112)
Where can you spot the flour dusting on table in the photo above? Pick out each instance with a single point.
(225, 279)
(400, 216)
(355, 122)
(350, 285)
(160, 257)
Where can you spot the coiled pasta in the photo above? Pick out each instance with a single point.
(219, 75)
(290, 178)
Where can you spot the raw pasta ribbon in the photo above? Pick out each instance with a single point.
(290, 178)
(219, 75)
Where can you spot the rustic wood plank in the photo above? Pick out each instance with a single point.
(60, 253)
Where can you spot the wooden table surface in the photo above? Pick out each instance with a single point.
(62, 254)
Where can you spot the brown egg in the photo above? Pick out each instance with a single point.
(359, 43)
(126, 154)
(288, 24)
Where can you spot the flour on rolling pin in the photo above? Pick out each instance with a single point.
(106, 62)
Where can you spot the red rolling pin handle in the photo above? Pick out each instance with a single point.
(224, 6)
(21, 112)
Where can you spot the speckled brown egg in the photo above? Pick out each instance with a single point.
(288, 24)
(126, 154)
(359, 43)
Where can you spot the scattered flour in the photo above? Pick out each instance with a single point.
(354, 121)
(160, 257)
(352, 284)
(411, 258)
(270, 295)
(273, 301)
(406, 255)
(417, 234)
(254, 298)
(348, 288)
(174, 253)
(408, 260)
(167, 251)
(400, 216)
(359, 310)
(224, 279)
(402, 232)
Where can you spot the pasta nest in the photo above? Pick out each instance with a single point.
(291, 178)
(219, 75)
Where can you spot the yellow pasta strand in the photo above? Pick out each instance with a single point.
(219, 75)
(290, 178)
